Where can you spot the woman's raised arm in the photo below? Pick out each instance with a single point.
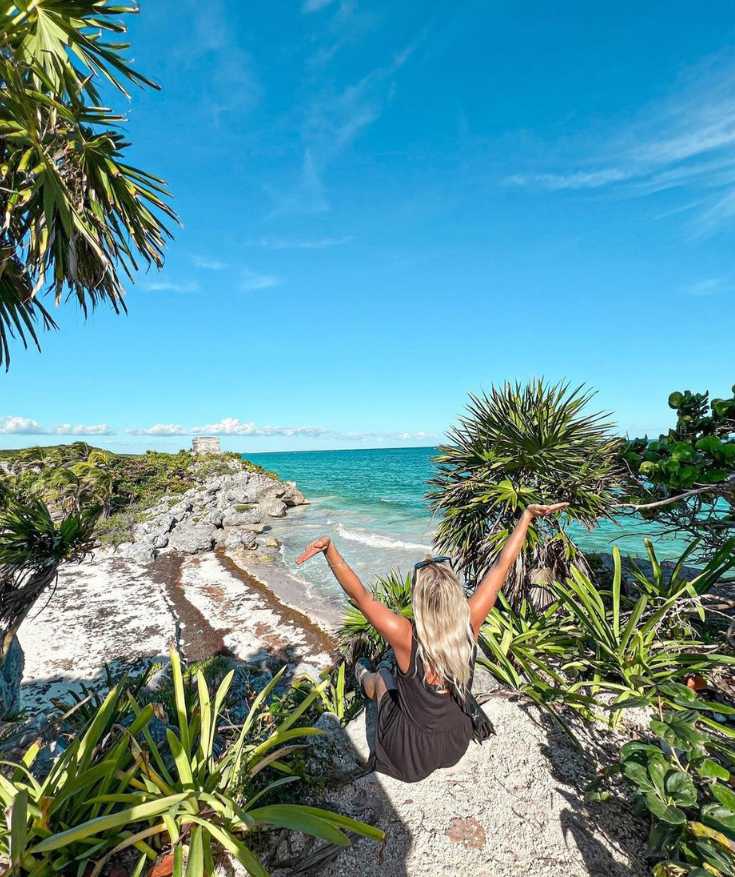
(394, 628)
(486, 593)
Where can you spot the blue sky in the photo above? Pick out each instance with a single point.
(386, 205)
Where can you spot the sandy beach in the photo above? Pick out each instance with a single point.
(112, 611)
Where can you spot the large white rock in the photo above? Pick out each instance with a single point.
(191, 538)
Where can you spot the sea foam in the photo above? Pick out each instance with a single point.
(374, 540)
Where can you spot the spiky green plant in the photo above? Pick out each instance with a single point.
(357, 637)
(114, 789)
(517, 445)
(32, 547)
(77, 217)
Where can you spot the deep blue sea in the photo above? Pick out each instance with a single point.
(372, 503)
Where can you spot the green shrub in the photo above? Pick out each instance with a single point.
(689, 473)
(591, 644)
(682, 781)
(116, 788)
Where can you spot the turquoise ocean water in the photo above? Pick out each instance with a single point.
(372, 503)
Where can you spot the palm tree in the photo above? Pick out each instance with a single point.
(32, 547)
(75, 214)
(519, 445)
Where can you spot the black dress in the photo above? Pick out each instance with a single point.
(419, 729)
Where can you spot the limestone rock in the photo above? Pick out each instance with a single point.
(293, 496)
(236, 538)
(234, 517)
(191, 538)
(215, 517)
(161, 540)
(275, 508)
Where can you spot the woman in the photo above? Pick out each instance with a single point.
(421, 723)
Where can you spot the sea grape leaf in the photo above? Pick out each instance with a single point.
(665, 812)
(720, 818)
(711, 769)
(680, 788)
(724, 795)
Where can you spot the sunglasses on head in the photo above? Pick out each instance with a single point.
(422, 563)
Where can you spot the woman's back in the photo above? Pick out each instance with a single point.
(419, 728)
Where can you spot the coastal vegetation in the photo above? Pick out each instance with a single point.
(116, 790)
(78, 219)
(519, 445)
(685, 480)
(609, 636)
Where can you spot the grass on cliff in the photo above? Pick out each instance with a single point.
(125, 485)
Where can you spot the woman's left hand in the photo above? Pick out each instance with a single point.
(543, 511)
(318, 546)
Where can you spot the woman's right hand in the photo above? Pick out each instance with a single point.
(318, 546)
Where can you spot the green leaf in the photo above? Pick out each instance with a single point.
(109, 822)
(724, 794)
(18, 827)
(195, 862)
(680, 787)
(711, 769)
(665, 812)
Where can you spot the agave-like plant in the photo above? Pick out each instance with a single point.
(356, 635)
(515, 446)
(115, 789)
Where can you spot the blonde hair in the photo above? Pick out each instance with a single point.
(443, 632)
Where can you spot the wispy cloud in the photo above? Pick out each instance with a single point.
(573, 180)
(334, 118)
(273, 243)
(170, 286)
(28, 426)
(79, 429)
(233, 426)
(161, 429)
(208, 264)
(710, 286)
(253, 280)
(229, 426)
(232, 84)
(684, 142)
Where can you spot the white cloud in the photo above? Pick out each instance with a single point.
(270, 243)
(71, 429)
(169, 286)
(21, 426)
(232, 85)
(252, 280)
(572, 180)
(233, 426)
(208, 264)
(332, 122)
(709, 286)
(160, 429)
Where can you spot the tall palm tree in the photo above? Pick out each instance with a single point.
(515, 446)
(75, 215)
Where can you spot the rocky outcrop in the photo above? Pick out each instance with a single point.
(227, 510)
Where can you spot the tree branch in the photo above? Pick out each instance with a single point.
(720, 488)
